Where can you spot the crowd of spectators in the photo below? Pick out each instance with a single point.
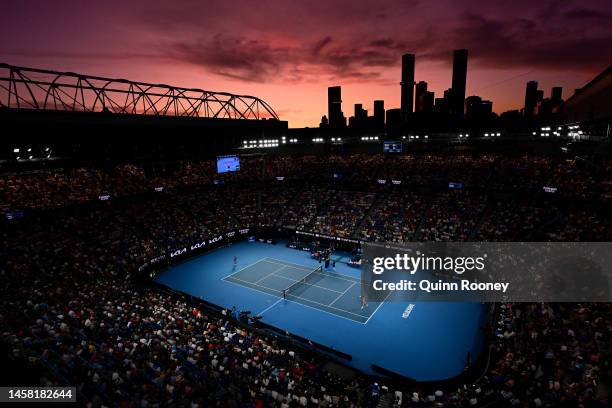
(343, 213)
(125, 345)
(572, 178)
(452, 216)
(68, 307)
(395, 219)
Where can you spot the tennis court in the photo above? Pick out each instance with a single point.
(326, 291)
(427, 344)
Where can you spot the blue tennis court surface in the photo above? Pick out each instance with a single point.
(427, 341)
(326, 291)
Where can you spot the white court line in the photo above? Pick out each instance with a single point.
(343, 293)
(297, 303)
(376, 310)
(269, 307)
(298, 297)
(240, 270)
(306, 283)
(281, 262)
(331, 275)
(270, 274)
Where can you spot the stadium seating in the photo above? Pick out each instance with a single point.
(69, 310)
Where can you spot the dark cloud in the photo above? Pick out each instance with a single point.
(325, 41)
(588, 15)
(276, 40)
(259, 61)
(234, 57)
(554, 44)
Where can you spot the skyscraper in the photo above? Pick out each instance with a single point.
(556, 94)
(407, 84)
(394, 119)
(419, 96)
(531, 98)
(477, 109)
(472, 106)
(460, 58)
(360, 113)
(428, 102)
(379, 112)
(334, 107)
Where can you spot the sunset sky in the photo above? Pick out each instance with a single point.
(288, 52)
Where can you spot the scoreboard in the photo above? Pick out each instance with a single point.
(392, 147)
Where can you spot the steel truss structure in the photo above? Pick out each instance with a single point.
(31, 88)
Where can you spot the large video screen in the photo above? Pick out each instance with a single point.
(392, 147)
(227, 164)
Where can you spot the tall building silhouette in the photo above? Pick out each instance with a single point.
(428, 102)
(556, 94)
(379, 112)
(360, 113)
(394, 118)
(419, 96)
(476, 108)
(407, 84)
(334, 107)
(531, 98)
(460, 58)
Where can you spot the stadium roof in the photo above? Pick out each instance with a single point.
(592, 101)
(41, 89)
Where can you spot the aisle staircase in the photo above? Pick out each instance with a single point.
(386, 401)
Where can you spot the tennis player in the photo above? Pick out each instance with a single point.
(364, 301)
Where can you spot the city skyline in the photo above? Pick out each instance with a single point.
(289, 54)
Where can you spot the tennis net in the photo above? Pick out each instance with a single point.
(302, 281)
